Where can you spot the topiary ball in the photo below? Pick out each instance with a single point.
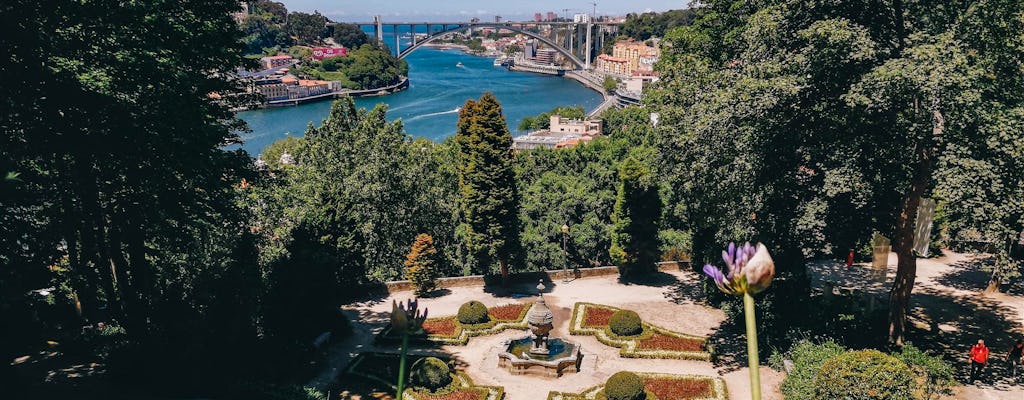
(624, 386)
(864, 375)
(473, 312)
(430, 373)
(625, 323)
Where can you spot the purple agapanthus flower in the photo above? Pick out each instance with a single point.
(749, 269)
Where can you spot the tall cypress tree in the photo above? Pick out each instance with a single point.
(635, 220)
(488, 200)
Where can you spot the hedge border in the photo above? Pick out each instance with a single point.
(463, 332)
(629, 345)
(593, 393)
(460, 381)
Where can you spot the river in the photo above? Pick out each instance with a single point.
(436, 88)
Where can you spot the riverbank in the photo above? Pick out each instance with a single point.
(382, 91)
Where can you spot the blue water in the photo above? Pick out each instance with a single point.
(428, 107)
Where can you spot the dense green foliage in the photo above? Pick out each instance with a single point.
(126, 199)
(365, 67)
(349, 36)
(624, 386)
(864, 375)
(934, 375)
(543, 120)
(610, 84)
(421, 265)
(625, 323)
(488, 198)
(635, 219)
(430, 373)
(473, 312)
(654, 25)
(807, 359)
(809, 126)
(269, 25)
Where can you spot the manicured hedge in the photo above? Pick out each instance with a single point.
(501, 318)
(472, 313)
(626, 323)
(624, 385)
(864, 375)
(382, 368)
(430, 373)
(652, 342)
(661, 387)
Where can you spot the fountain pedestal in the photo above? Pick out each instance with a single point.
(538, 353)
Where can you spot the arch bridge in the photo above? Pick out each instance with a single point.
(579, 34)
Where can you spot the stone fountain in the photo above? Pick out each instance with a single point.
(538, 353)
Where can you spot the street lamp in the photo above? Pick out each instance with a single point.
(565, 267)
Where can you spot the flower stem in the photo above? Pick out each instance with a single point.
(401, 366)
(752, 358)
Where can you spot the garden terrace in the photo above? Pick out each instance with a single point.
(448, 329)
(652, 342)
(662, 387)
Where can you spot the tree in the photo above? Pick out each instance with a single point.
(814, 126)
(488, 200)
(421, 265)
(350, 36)
(636, 218)
(610, 84)
(309, 29)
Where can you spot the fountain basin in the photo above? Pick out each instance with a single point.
(562, 356)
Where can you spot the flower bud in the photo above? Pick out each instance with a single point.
(760, 270)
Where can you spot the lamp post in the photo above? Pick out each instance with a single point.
(565, 267)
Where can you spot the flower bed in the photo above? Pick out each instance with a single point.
(383, 368)
(652, 342)
(662, 387)
(448, 329)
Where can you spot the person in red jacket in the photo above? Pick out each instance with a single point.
(978, 358)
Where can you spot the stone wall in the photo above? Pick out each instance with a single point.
(480, 280)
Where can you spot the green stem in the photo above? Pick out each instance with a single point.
(753, 362)
(401, 366)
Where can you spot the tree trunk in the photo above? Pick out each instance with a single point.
(903, 240)
(504, 272)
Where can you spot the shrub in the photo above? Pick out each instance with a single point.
(430, 373)
(421, 265)
(625, 323)
(807, 359)
(473, 312)
(864, 374)
(933, 374)
(624, 386)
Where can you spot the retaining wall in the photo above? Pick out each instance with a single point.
(481, 280)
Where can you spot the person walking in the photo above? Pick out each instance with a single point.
(1016, 357)
(978, 358)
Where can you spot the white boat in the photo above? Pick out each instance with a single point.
(459, 64)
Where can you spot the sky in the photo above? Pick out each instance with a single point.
(460, 10)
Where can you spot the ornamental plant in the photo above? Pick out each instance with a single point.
(407, 320)
(750, 270)
(421, 265)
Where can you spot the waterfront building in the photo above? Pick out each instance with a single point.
(638, 56)
(583, 127)
(613, 65)
(291, 88)
(530, 49)
(581, 18)
(545, 56)
(562, 133)
(275, 61)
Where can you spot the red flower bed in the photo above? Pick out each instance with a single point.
(678, 389)
(665, 342)
(597, 317)
(510, 312)
(457, 395)
(443, 327)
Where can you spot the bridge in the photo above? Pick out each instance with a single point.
(588, 37)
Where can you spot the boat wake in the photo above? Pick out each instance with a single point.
(456, 110)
